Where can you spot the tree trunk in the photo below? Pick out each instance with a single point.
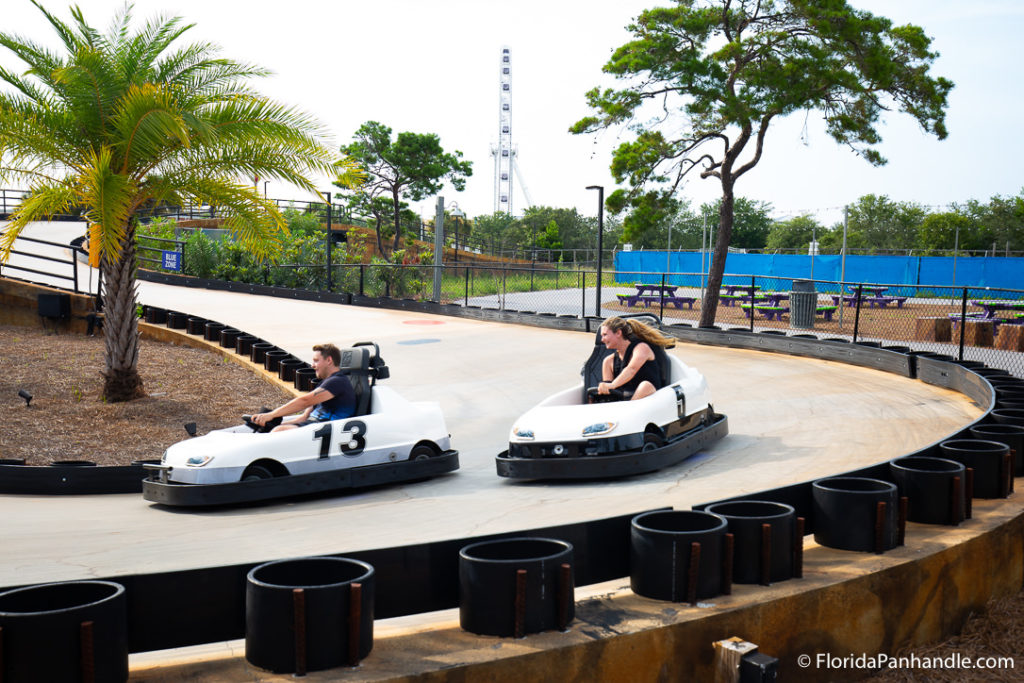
(379, 223)
(398, 227)
(709, 306)
(120, 325)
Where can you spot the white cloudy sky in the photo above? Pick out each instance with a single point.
(432, 66)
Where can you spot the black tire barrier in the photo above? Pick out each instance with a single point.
(211, 331)
(763, 539)
(177, 321)
(804, 336)
(309, 614)
(1005, 383)
(515, 586)
(1010, 394)
(856, 513)
(243, 344)
(156, 316)
(679, 555)
(1011, 435)
(195, 325)
(991, 462)
(871, 344)
(992, 372)
(935, 488)
(229, 337)
(1009, 405)
(258, 352)
(12, 461)
(287, 368)
(304, 379)
(272, 359)
(71, 631)
(1008, 416)
(72, 463)
(897, 349)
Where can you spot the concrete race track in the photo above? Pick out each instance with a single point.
(791, 419)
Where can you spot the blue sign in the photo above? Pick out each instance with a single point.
(171, 260)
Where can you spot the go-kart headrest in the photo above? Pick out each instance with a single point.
(355, 360)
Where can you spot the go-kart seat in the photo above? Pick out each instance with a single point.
(356, 364)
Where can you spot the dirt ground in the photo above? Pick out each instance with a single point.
(66, 420)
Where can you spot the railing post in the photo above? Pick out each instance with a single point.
(752, 309)
(963, 323)
(661, 298)
(362, 278)
(856, 314)
(467, 285)
(583, 290)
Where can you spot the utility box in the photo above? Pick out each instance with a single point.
(803, 305)
(56, 306)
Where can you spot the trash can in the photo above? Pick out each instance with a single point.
(803, 304)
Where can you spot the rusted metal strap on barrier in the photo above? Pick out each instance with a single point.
(519, 627)
(355, 618)
(299, 624)
(565, 595)
(693, 574)
(87, 659)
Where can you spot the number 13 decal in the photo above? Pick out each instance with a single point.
(353, 446)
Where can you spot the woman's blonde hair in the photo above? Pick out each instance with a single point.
(638, 330)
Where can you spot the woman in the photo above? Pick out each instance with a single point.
(633, 368)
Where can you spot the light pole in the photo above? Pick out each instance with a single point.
(600, 242)
(265, 188)
(456, 213)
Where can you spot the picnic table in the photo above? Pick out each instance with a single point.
(730, 290)
(993, 307)
(873, 290)
(655, 290)
(776, 311)
(656, 294)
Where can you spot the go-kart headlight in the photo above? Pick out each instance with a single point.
(198, 460)
(522, 433)
(598, 428)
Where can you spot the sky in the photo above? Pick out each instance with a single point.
(433, 67)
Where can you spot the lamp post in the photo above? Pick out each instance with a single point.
(265, 188)
(330, 239)
(600, 242)
(456, 213)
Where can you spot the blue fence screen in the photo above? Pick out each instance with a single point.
(975, 271)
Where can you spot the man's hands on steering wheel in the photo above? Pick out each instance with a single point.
(261, 429)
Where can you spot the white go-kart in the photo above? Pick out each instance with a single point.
(387, 439)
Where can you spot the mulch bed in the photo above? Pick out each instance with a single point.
(67, 420)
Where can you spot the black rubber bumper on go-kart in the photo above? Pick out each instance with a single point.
(611, 466)
(297, 484)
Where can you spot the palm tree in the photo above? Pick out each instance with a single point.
(118, 121)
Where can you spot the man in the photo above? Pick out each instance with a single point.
(332, 399)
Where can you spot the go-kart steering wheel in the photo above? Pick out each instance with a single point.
(247, 419)
(612, 395)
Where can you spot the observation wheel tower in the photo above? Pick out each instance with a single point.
(504, 152)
